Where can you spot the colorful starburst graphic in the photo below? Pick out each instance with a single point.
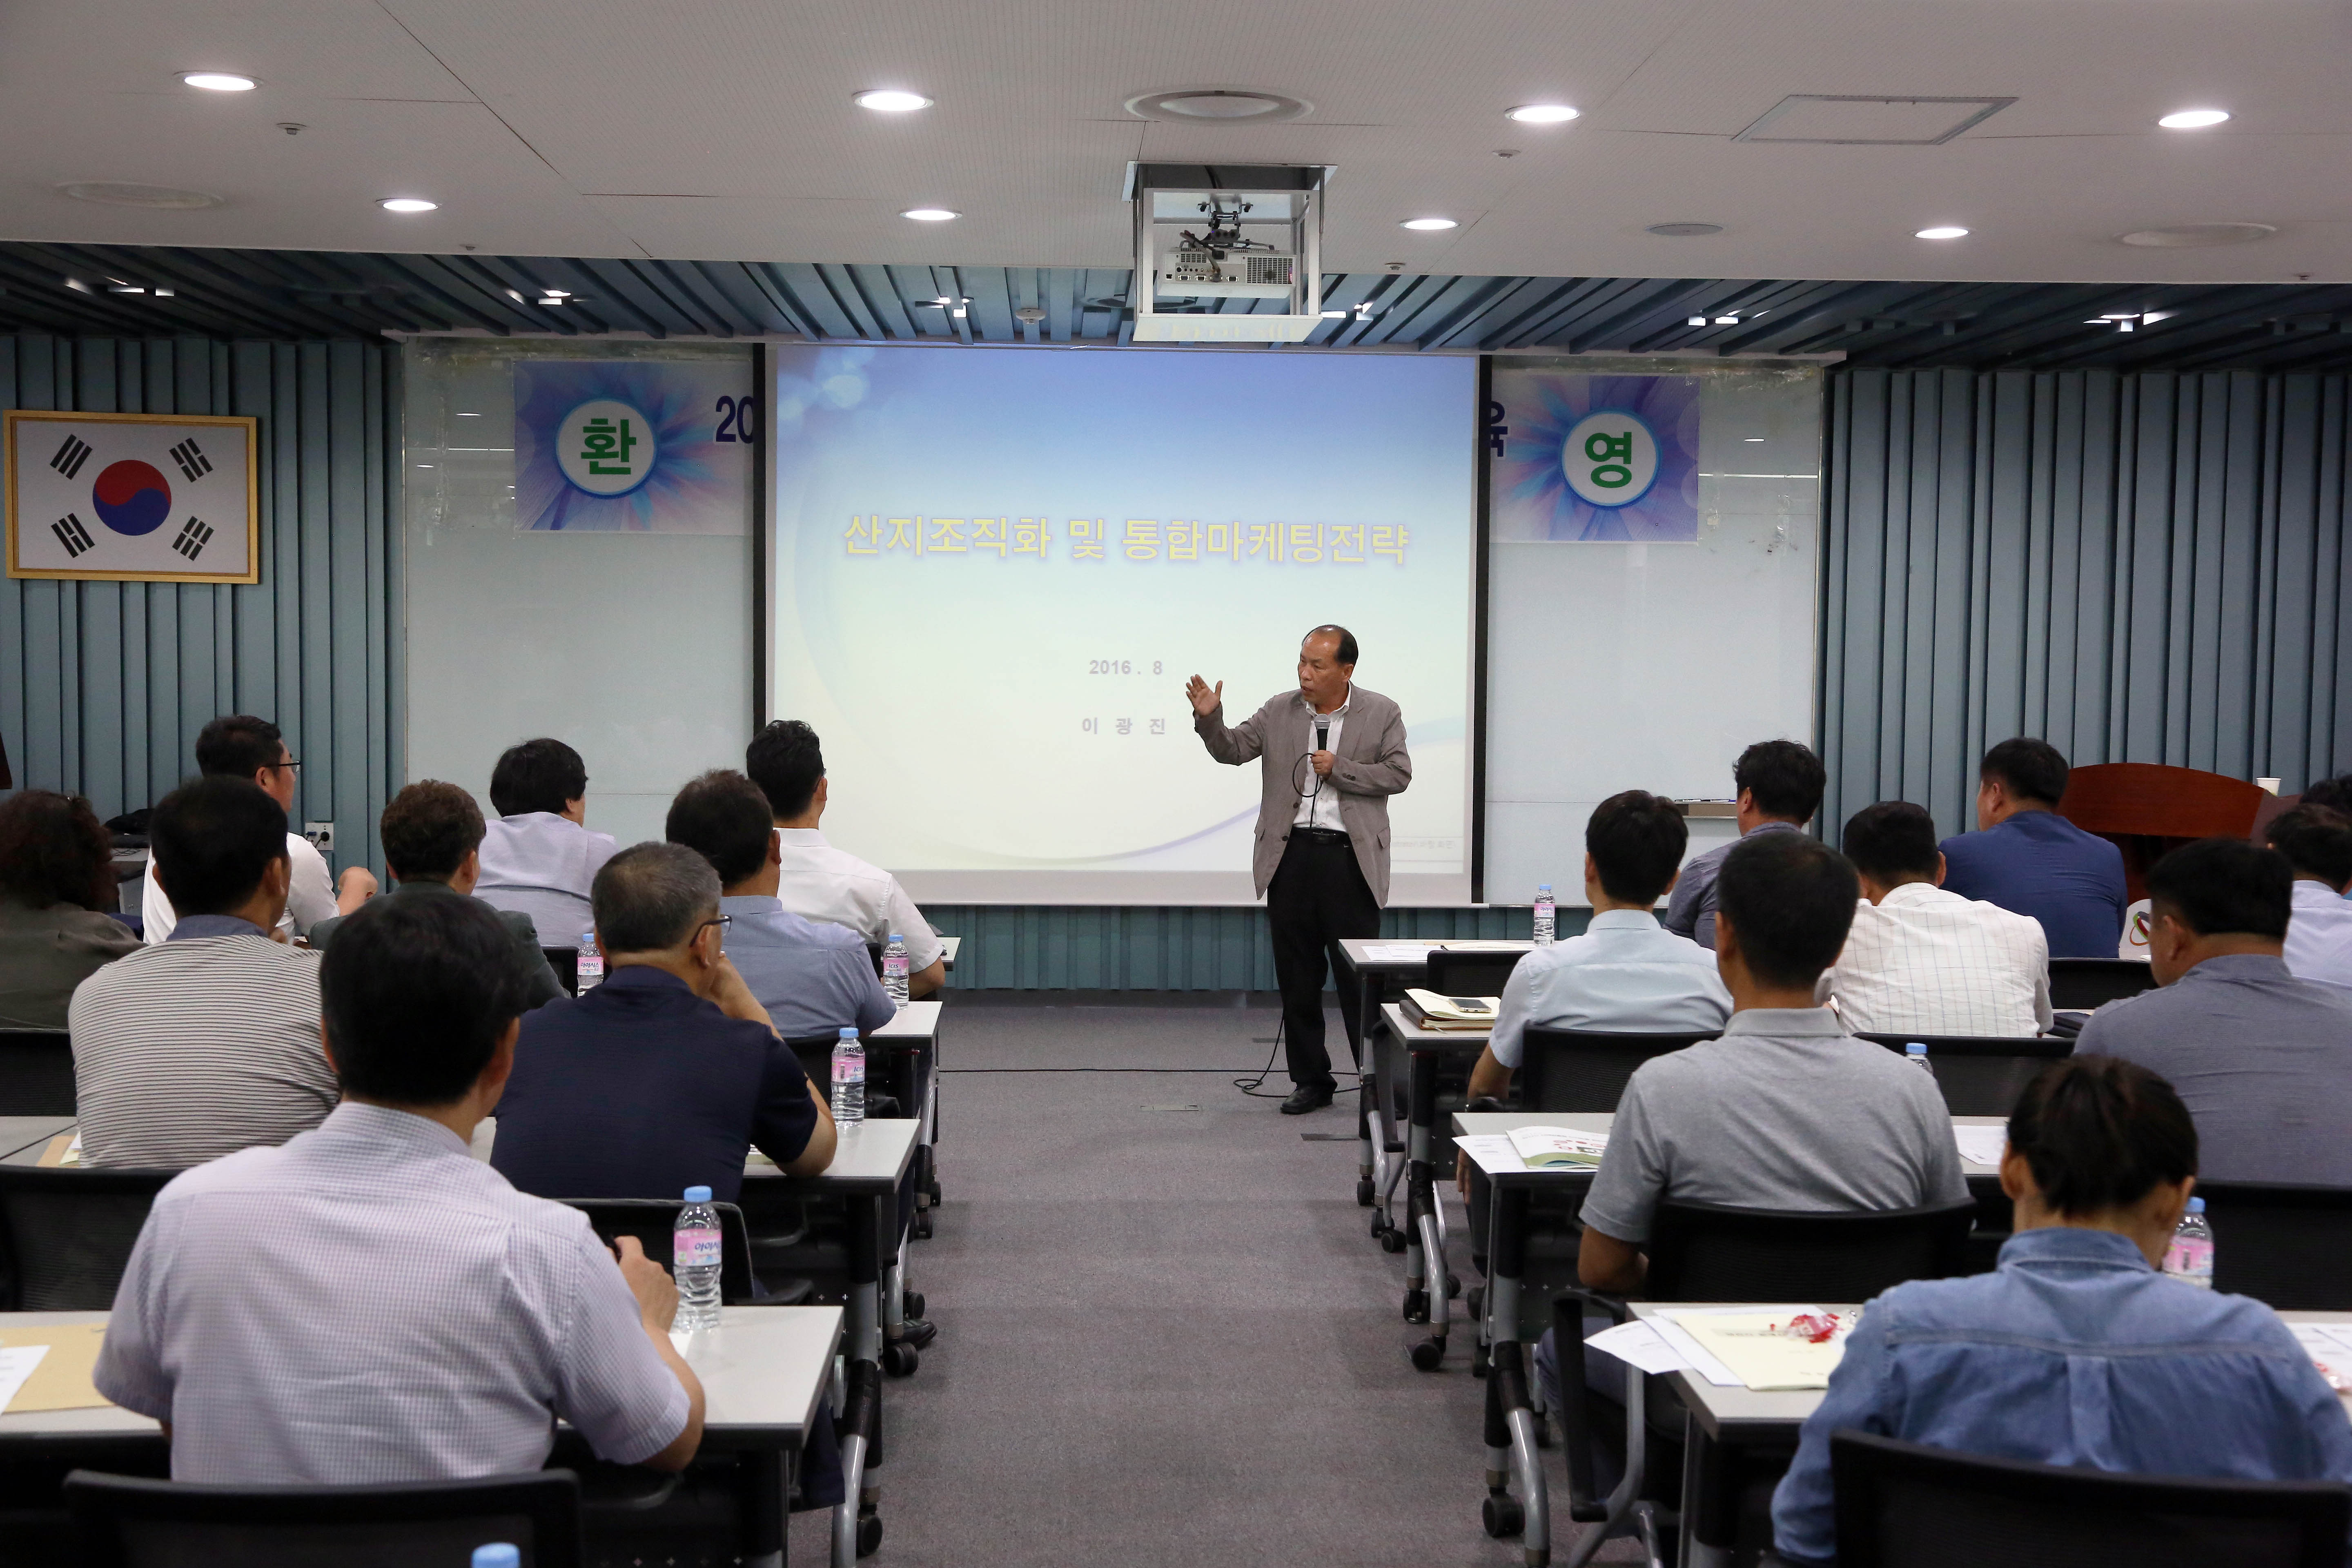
(1596, 457)
(693, 472)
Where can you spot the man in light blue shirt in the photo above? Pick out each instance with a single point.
(1625, 974)
(539, 858)
(1780, 785)
(2318, 843)
(2075, 1351)
(815, 978)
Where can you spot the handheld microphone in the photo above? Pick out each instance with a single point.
(1322, 734)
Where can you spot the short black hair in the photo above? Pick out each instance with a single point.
(237, 745)
(2335, 793)
(725, 818)
(1891, 841)
(212, 839)
(2316, 841)
(1790, 899)
(1347, 652)
(2099, 1133)
(1785, 778)
(545, 774)
(414, 994)
(2029, 769)
(428, 829)
(785, 760)
(650, 897)
(2224, 887)
(1636, 840)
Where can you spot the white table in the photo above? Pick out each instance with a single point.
(24, 1138)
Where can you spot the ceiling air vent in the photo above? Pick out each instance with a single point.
(1846, 121)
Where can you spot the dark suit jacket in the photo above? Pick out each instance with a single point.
(539, 984)
(1369, 764)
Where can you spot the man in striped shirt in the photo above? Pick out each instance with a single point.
(207, 1042)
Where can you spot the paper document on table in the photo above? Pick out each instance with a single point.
(1982, 1145)
(1490, 1151)
(17, 1364)
(64, 1150)
(60, 1380)
(2329, 1346)
(1551, 1148)
(1396, 952)
(1640, 1344)
(1488, 944)
(1760, 1351)
(1700, 1359)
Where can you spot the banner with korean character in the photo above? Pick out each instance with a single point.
(133, 498)
(634, 446)
(1576, 458)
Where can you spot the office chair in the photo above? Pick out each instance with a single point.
(1580, 1069)
(1907, 1505)
(2079, 984)
(1470, 974)
(36, 1073)
(2288, 1247)
(142, 1523)
(565, 962)
(66, 1235)
(1981, 1075)
(652, 1220)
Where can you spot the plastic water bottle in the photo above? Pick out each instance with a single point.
(1916, 1053)
(848, 1080)
(2189, 1259)
(894, 970)
(1547, 921)
(498, 1555)
(592, 962)
(694, 1253)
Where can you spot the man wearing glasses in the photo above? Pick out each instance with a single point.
(664, 1077)
(239, 745)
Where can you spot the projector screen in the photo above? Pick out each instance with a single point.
(992, 570)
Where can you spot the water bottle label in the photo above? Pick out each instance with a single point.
(592, 968)
(894, 966)
(848, 1070)
(695, 1248)
(2191, 1259)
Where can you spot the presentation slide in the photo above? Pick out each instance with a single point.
(993, 570)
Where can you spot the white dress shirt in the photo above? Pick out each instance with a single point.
(2319, 934)
(819, 882)
(542, 865)
(310, 895)
(1626, 975)
(1320, 808)
(1923, 960)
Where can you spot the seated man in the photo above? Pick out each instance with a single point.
(822, 883)
(2317, 842)
(2075, 1351)
(432, 835)
(813, 977)
(2026, 858)
(369, 1304)
(1925, 961)
(2263, 1060)
(1624, 975)
(1780, 785)
(56, 872)
(240, 746)
(664, 1077)
(209, 1042)
(537, 859)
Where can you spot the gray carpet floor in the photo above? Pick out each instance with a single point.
(1166, 1335)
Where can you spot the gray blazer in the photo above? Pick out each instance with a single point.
(1369, 766)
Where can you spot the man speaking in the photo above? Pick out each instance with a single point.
(1331, 753)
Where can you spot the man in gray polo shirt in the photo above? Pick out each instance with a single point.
(2263, 1060)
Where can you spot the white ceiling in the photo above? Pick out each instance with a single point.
(723, 128)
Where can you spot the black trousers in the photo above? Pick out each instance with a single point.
(1318, 896)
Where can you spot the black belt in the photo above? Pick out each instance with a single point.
(1322, 835)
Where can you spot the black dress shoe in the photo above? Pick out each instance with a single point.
(918, 1333)
(1303, 1101)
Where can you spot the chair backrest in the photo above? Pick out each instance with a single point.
(1907, 1505)
(652, 1221)
(1575, 1069)
(1470, 974)
(1711, 1252)
(66, 1235)
(565, 962)
(2289, 1247)
(2079, 984)
(36, 1073)
(437, 1524)
(1983, 1074)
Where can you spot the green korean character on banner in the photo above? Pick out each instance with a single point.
(605, 445)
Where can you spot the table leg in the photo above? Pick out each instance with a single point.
(1420, 1268)
(1368, 994)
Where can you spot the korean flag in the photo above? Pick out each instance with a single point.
(133, 496)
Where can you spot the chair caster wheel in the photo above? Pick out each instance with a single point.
(869, 1534)
(1477, 1302)
(1503, 1515)
(932, 1192)
(1364, 1191)
(1481, 1361)
(1416, 1306)
(1428, 1355)
(1452, 1287)
(920, 1225)
(910, 1303)
(900, 1359)
(1392, 1240)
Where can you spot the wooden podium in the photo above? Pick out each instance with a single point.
(2148, 810)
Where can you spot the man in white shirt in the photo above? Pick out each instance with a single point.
(2317, 842)
(1627, 974)
(538, 859)
(1924, 962)
(817, 881)
(238, 745)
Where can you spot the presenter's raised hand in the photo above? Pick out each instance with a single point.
(1204, 696)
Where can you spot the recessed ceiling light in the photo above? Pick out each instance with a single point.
(1335, 315)
(1726, 320)
(927, 215)
(2193, 119)
(1218, 105)
(469, 417)
(1540, 113)
(1942, 231)
(407, 205)
(223, 82)
(1430, 225)
(1751, 437)
(890, 101)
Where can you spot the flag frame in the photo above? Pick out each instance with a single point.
(18, 420)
